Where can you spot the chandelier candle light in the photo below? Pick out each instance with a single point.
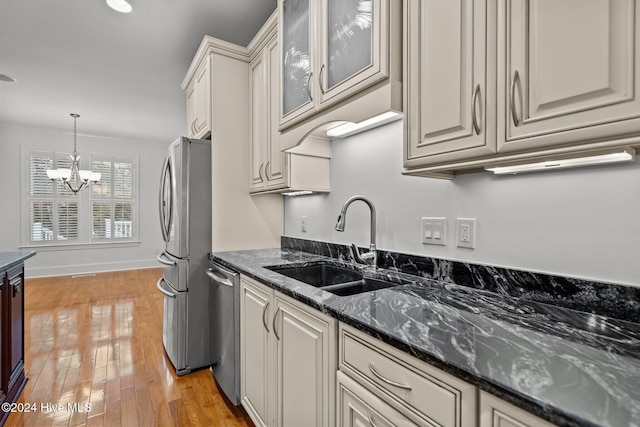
(75, 179)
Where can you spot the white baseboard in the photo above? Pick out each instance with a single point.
(33, 271)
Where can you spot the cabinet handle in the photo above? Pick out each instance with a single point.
(275, 316)
(388, 381)
(264, 315)
(267, 171)
(260, 172)
(514, 115)
(370, 418)
(309, 86)
(474, 118)
(320, 79)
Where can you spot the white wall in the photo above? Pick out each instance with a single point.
(85, 259)
(582, 222)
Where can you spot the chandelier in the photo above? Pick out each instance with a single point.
(75, 178)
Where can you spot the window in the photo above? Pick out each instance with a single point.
(105, 212)
(112, 201)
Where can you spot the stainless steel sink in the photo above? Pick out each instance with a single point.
(340, 280)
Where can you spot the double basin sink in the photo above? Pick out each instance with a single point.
(340, 280)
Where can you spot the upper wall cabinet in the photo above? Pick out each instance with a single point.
(198, 91)
(573, 72)
(449, 88)
(271, 169)
(333, 54)
(531, 80)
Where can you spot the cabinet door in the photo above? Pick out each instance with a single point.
(275, 167)
(355, 37)
(572, 72)
(305, 372)
(254, 359)
(191, 110)
(16, 295)
(203, 100)
(449, 91)
(258, 120)
(296, 58)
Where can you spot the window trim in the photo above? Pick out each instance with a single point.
(85, 239)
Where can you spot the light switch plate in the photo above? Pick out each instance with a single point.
(434, 231)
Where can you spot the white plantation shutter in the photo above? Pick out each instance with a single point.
(113, 200)
(101, 223)
(41, 221)
(105, 212)
(39, 183)
(67, 220)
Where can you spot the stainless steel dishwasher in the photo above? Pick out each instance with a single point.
(225, 340)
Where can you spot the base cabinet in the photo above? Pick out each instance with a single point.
(288, 359)
(495, 412)
(420, 392)
(12, 377)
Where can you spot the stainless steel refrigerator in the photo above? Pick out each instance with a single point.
(185, 219)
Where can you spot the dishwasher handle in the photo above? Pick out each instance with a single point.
(219, 279)
(163, 290)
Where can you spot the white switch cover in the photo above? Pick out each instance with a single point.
(466, 233)
(303, 224)
(434, 231)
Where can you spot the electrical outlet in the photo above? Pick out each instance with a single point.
(434, 231)
(303, 224)
(466, 233)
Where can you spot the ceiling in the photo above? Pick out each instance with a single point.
(121, 72)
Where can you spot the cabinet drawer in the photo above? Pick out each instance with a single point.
(442, 398)
(359, 407)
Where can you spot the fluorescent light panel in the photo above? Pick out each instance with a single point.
(616, 156)
(349, 128)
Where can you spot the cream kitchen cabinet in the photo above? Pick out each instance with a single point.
(561, 79)
(450, 83)
(495, 412)
(418, 391)
(357, 407)
(272, 169)
(572, 73)
(288, 359)
(336, 52)
(197, 87)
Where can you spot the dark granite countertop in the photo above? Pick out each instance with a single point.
(568, 366)
(9, 259)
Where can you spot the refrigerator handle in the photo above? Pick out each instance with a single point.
(166, 261)
(218, 278)
(163, 290)
(165, 231)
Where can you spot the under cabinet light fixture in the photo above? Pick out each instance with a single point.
(594, 158)
(121, 6)
(349, 128)
(298, 193)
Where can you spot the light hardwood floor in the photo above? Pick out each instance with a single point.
(97, 340)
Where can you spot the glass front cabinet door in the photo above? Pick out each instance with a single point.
(297, 59)
(331, 49)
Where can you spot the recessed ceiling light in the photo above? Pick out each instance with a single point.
(121, 6)
(5, 78)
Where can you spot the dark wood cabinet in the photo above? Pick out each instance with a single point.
(12, 376)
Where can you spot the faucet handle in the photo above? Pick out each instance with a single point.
(356, 254)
